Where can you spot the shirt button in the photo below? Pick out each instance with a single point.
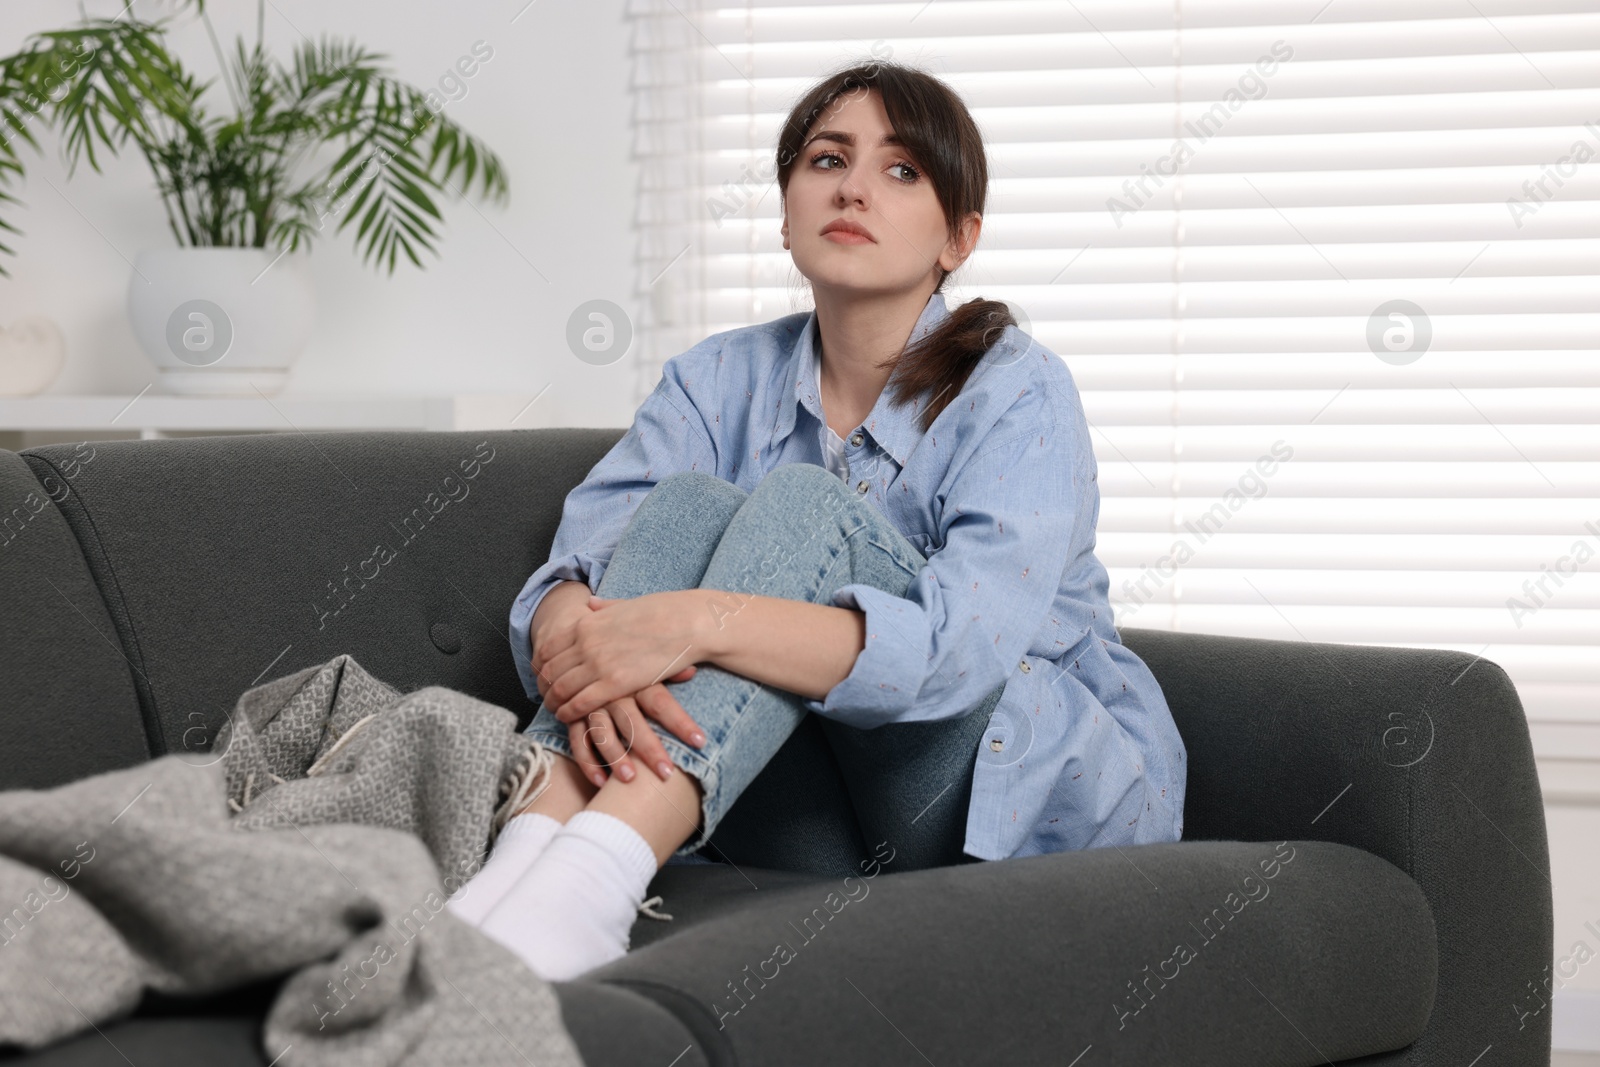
(855, 439)
(861, 486)
(997, 745)
(1024, 665)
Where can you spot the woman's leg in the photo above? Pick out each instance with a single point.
(801, 535)
(910, 783)
(565, 878)
(666, 546)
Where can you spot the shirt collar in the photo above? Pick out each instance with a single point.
(895, 427)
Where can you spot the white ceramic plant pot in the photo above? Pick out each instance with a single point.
(221, 321)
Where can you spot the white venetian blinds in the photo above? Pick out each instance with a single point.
(1327, 275)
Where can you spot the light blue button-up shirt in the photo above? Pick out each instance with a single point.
(1001, 496)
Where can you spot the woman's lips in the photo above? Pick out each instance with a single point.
(845, 237)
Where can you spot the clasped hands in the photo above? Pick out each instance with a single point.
(599, 668)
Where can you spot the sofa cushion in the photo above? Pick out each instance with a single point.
(616, 1027)
(609, 1024)
(1217, 952)
(202, 1041)
(716, 890)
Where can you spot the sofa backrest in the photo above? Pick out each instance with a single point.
(228, 561)
(220, 563)
(68, 706)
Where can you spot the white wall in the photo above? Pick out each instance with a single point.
(552, 102)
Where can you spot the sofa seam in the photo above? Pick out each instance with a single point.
(126, 633)
(1428, 706)
(1411, 870)
(722, 1055)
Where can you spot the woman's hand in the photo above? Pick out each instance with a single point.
(561, 607)
(654, 700)
(619, 649)
(613, 732)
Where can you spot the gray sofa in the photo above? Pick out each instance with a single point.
(1365, 878)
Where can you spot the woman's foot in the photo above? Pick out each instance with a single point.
(527, 831)
(523, 840)
(572, 910)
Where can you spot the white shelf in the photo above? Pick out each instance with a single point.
(154, 415)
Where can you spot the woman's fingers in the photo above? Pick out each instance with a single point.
(553, 639)
(544, 683)
(609, 736)
(568, 714)
(563, 701)
(564, 678)
(583, 753)
(611, 733)
(658, 702)
(643, 741)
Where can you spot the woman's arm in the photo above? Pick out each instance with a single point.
(870, 657)
(758, 637)
(625, 645)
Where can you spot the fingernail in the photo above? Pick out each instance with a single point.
(626, 772)
(699, 739)
(599, 780)
(665, 768)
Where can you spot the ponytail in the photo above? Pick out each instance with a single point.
(941, 361)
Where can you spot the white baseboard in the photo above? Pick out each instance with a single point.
(1575, 1020)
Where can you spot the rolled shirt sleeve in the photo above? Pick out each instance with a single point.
(668, 435)
(974, 608)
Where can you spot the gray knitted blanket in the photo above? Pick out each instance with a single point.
(319, 838)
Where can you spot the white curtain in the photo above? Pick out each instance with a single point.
(1327, 275)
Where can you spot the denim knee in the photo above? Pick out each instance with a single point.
(795, 485)
(694, 489)
(804, 477)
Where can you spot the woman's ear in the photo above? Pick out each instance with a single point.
(959, 247)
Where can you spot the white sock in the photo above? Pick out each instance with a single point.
(572, 910)
(522, 840)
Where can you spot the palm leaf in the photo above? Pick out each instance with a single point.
(236, 180)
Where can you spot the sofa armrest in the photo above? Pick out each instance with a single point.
(1420, 756)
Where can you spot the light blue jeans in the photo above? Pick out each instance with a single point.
(801, 534)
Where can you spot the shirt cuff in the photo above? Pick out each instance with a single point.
(571, 568)
(888, 672)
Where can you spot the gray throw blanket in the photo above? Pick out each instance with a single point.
(321, 835)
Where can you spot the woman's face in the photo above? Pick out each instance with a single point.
(844, 170)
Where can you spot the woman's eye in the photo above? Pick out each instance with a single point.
(915, 174)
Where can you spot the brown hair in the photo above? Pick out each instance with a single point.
(939, 135)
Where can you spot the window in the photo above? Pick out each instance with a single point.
(1327, 274)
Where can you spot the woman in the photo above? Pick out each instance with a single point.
(882, 512)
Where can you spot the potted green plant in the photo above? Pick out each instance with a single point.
(248, 190)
